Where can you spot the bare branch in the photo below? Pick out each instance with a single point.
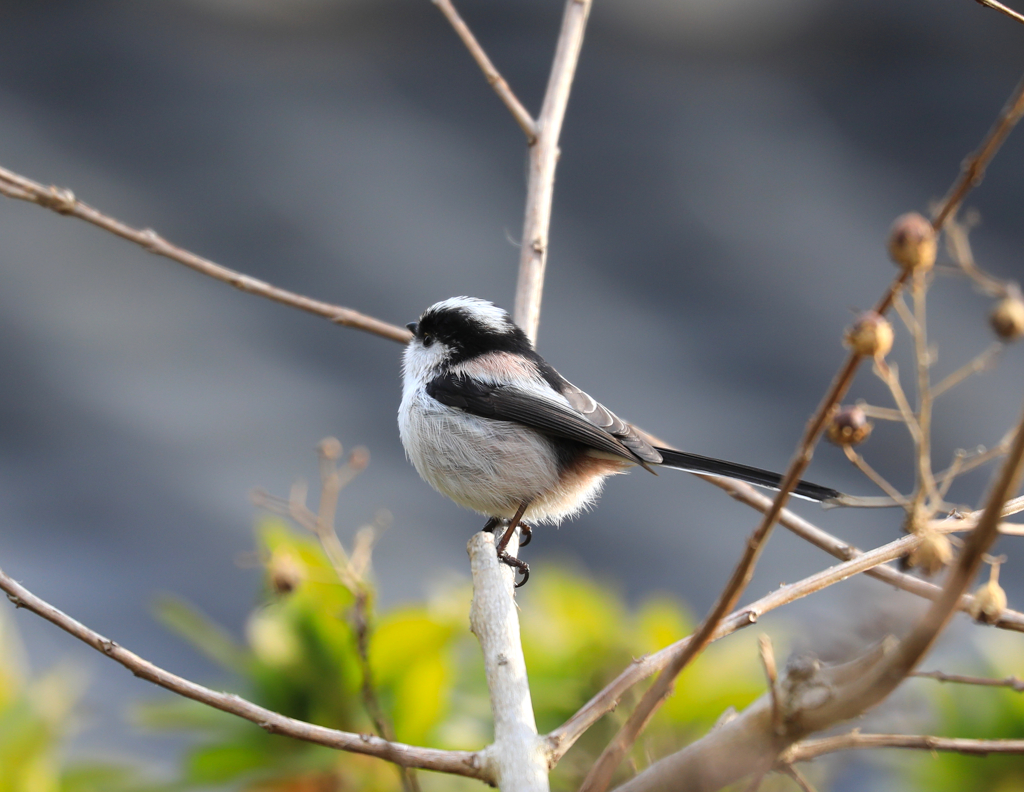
(544, 153)
(959, 246)
(994, 4)
(767, 653)
(518, 758)
(466, 763)
(63, 201)
(861, 464)
(1012, 682)
(823, 540)
(973, 169)
(600, 774)
(881, 413)
(799, 778)
(562, 738)
(982, 362)
(494, 79)
(810, 749)
(872, 564)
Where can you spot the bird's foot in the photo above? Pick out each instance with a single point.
(525, 531)
(525, 535)
(520, 566)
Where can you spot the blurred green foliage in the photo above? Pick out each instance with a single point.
(301, 657)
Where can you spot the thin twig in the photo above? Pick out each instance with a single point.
(982, 362)
(600, 774)
(322, 523)
(959, 246)
(869, 689)
(964, 462)
(926, 480)
(861, 464)
(881, 413)
(562, 738)
(973, 169)
(799, 778)
(767, 654)
(465, 763)
(889, 374)
(544, 152)
(811, 749)
(63, 201)
(817, 696)
(997, 6)
(1013, 682)
(494, 78)
(757, 780)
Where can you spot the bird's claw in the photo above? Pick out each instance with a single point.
(520, 566)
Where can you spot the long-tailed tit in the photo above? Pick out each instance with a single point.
(487, 422)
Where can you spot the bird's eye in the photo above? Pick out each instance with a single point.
(427, 339)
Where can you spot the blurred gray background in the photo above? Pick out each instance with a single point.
(729, 171)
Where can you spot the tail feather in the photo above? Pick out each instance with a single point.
(695, 463)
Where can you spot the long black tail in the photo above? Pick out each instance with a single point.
(695, 463)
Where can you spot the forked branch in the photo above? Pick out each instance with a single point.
(464, 763)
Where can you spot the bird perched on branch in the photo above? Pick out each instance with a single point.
(489, 423)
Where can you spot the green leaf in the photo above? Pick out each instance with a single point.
(209, 638)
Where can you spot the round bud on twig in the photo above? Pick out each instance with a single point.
(912, 242)
(359, 458)
(1007, 318)
(330, 448)
(870, 335)
(285, 572)
(848, 427)
(990, 599)
(934, 553)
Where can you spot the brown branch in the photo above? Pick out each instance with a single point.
(544, 153)
(63, 201)
(465, 763)
(982, 362)
(997, 6)
(562, 738)
(861, 464)
(494, 78)
(1012, 682)
(600, 774)
(811, 749)
(799, 778)
(973, 169)
(817, 697)
(1011, 620)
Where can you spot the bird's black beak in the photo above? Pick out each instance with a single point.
(412, 327)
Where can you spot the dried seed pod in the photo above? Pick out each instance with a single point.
(934, 552)
(989, 603)
(285, 572)
(359, 458)
(989, 599)
(870, 335)
(849, 427)
(1007, 318)
(330, 448)
(912, 242)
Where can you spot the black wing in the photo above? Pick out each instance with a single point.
(599, 415)
(507, 403)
